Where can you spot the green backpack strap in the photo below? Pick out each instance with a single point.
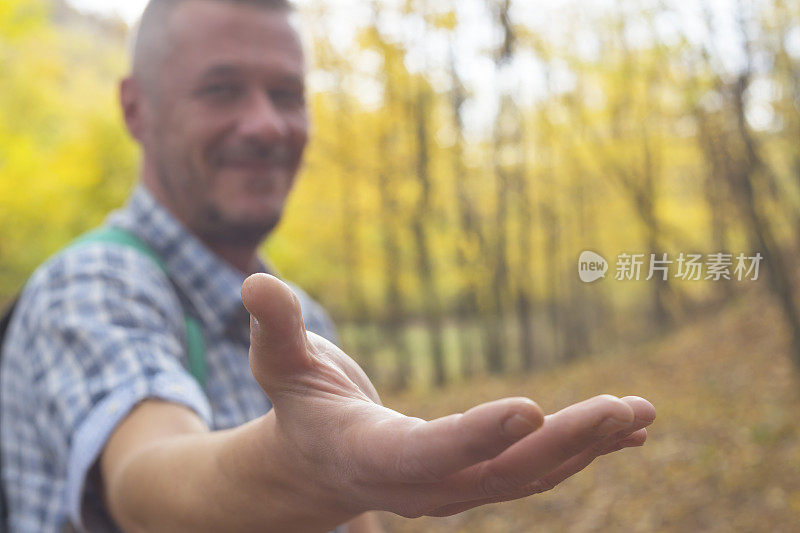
(195, 345)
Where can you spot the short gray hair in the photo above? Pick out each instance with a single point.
(152, 26)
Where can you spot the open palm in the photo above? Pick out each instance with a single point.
(363, 456)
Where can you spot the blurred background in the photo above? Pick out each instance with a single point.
(463, 155)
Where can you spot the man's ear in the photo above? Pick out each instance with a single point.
(131, 98)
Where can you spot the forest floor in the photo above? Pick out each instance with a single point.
(723, 454)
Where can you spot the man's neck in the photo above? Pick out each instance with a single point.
(244, 258)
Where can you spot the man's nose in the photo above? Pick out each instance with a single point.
(262, 120)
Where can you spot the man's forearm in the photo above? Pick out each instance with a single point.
(233, 480)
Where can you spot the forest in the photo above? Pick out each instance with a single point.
(462, 158)
(465, 157)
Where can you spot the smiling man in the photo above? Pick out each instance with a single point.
(217, 101)
(104, 428)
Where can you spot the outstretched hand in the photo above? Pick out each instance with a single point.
(347, 451)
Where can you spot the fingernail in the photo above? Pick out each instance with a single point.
(517, 426)
(611, 425)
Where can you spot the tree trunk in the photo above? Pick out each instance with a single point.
(467, 301)
(422, 217)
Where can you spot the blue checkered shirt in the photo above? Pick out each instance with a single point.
(99, 328)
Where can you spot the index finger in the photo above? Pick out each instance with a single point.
(563, 435)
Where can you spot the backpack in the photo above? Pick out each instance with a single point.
(195, 345)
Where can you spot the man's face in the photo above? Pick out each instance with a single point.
(228, 121)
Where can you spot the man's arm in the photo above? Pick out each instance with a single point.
(329, 451)
(163, 470)
(366, 523)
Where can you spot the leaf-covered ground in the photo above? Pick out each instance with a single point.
(723, 455)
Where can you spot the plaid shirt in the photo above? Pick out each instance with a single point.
(100, 328)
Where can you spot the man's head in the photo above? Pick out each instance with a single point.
(216, 100)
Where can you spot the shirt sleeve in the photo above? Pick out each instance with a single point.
(106, 332)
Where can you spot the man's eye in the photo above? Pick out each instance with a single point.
(290, 98)
(221, 90)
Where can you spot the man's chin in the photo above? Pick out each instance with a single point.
(258, 180)
(243, 232)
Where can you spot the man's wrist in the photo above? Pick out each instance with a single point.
(258, 459)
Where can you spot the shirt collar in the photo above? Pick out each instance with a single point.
(208, 282)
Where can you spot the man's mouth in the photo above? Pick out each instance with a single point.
(254, 165)
(253, 158)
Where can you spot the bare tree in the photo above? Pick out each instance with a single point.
(471, 237)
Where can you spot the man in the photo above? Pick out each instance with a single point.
(103, 427)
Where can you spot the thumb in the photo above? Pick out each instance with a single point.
(278, 343)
